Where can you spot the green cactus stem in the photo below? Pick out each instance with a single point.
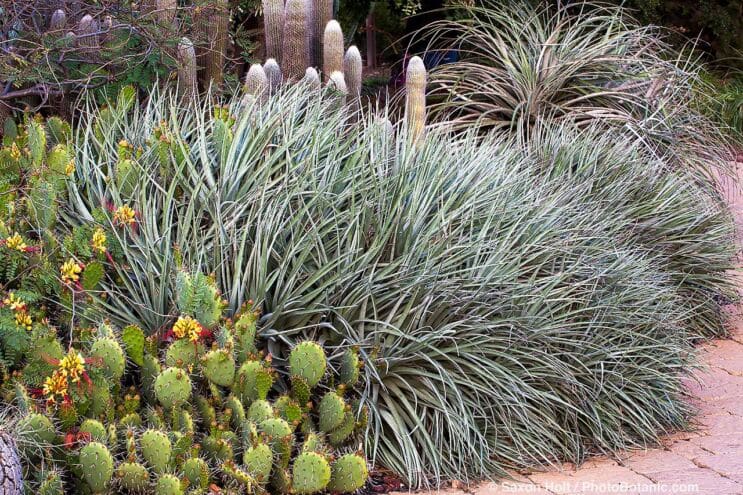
(349, 473)
(97, 466)
(332, 49)
(156, 450)
(172, 387)
(307, 360)
(168, 484)
(295, 52)
(132, 476)
(273, 22)
(187, 70)
(310, 473)
(415, 98)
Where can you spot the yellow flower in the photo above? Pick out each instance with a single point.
(55, 385)
(187, 327)
(23, 320)
(72, 365)
(70, 271)
(99, 240)
(70, 168)
(16, 242)
(15, 153)
(124, 215)
(15, 303)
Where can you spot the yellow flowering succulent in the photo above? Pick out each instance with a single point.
(16, 242)
(23, 320)
(55, 385)
(99, 240)
(124, 215)
(72, 365)
(70, 168)
(14, 302)
(70, 271)
(187, 327)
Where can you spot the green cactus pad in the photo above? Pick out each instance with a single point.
(310, 473)
(167, 484)
(35, 432)
(196, 471)
(132, 476)
(349, 473)
(344, 431)
(100, 400)
(331, 412)
(289, 409)
(172, 387)
(183, 353)
(97, 466)
(95, 429)
(350, 366)
(218, 367)
(281, 481)
(313, 443)
(156, 450)
(218, 449)
(245, 331)
(112, 355)
(258, 461)
(238, 411)
(275, 428)
(131, 419)
(300, 390)
(51, 484)
(253, 382)
(260, 411)
(307, 360)
(206, 411)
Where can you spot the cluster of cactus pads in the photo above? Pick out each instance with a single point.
(197, 408)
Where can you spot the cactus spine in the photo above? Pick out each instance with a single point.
(273, 22)
(332, 49)
(323, 14)
(274, 75)
(295, 52)
(97, 466)
(415, 98)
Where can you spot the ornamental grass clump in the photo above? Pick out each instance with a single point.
(591, 64)
(512, 304)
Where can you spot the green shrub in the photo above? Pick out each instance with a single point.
(513, 305)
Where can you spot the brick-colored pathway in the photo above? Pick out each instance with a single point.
(707, 461)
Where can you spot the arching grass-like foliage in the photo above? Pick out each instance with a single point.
(514, 305)
(589, 64)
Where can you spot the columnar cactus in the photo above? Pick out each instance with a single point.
(216, 24)
(332, 49)
(273, 22)
(187, 81)
(312, 78)
(352, 71)
(274, 75)
(256, 82)
(296, 49)
(87, 33)
(415, 98)
(337, 83)
(58, 20)
(323, 13)
(166, 11)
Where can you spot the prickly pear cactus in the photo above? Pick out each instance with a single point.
(97, 466)
(310, 473)
(348, 474)
(172, 387)
(307, 361)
